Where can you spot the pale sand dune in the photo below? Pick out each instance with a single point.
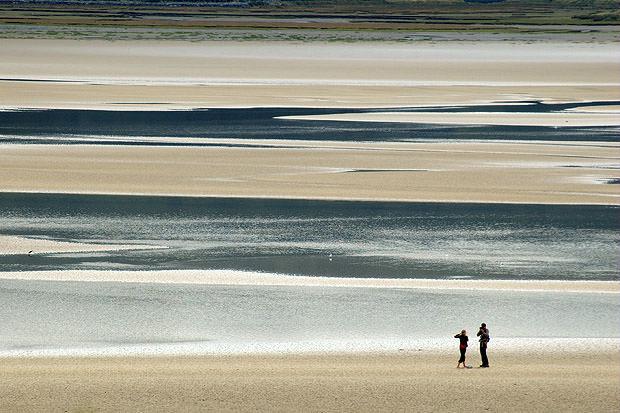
(11, 245)
(230, 277)
(513, 172)
(156, 75)
(417, 381)
(555, 119)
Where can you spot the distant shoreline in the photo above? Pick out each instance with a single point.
(342, 15)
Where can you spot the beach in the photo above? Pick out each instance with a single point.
(167, 75)
(554, 173)
(292, 225)
(516, 382)
(150, 75)
(157, 76)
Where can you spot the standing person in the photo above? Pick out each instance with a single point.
(483, 333)
(463, 339)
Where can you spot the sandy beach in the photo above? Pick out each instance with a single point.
(516, 382)
(151, 75)
(570, 173)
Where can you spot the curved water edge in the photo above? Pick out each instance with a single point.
(268, 123)
(316, 238)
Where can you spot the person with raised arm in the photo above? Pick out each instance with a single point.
(463, 339)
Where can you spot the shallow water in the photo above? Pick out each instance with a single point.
(314, 238)
(320, 238)
(263, 123)
(56, 318)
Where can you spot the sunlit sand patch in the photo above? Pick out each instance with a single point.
(550, 164)
(554, 119)
(593, 179)
(232, 277)
(441, 144)
(593, 166)
(378, 170)
(318, 81)
(14, 245)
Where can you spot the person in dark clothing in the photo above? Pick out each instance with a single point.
(483, 333)
(463, 339)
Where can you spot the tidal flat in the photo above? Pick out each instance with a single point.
(214, 211)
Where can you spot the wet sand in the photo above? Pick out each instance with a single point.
(558, 173)
(12, 245)
(516, 382)
(153, 75)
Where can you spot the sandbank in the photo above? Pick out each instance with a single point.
(125, 97)
(553, 119)
(14, 245)
(155, 75)
(508, 172)
(520, 382)
(615, 109)
(231, 277)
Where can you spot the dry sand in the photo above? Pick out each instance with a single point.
(416, 381)
(150, 75)
(12, 245)
(571, 173)
(35, 95)
(231, 277)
